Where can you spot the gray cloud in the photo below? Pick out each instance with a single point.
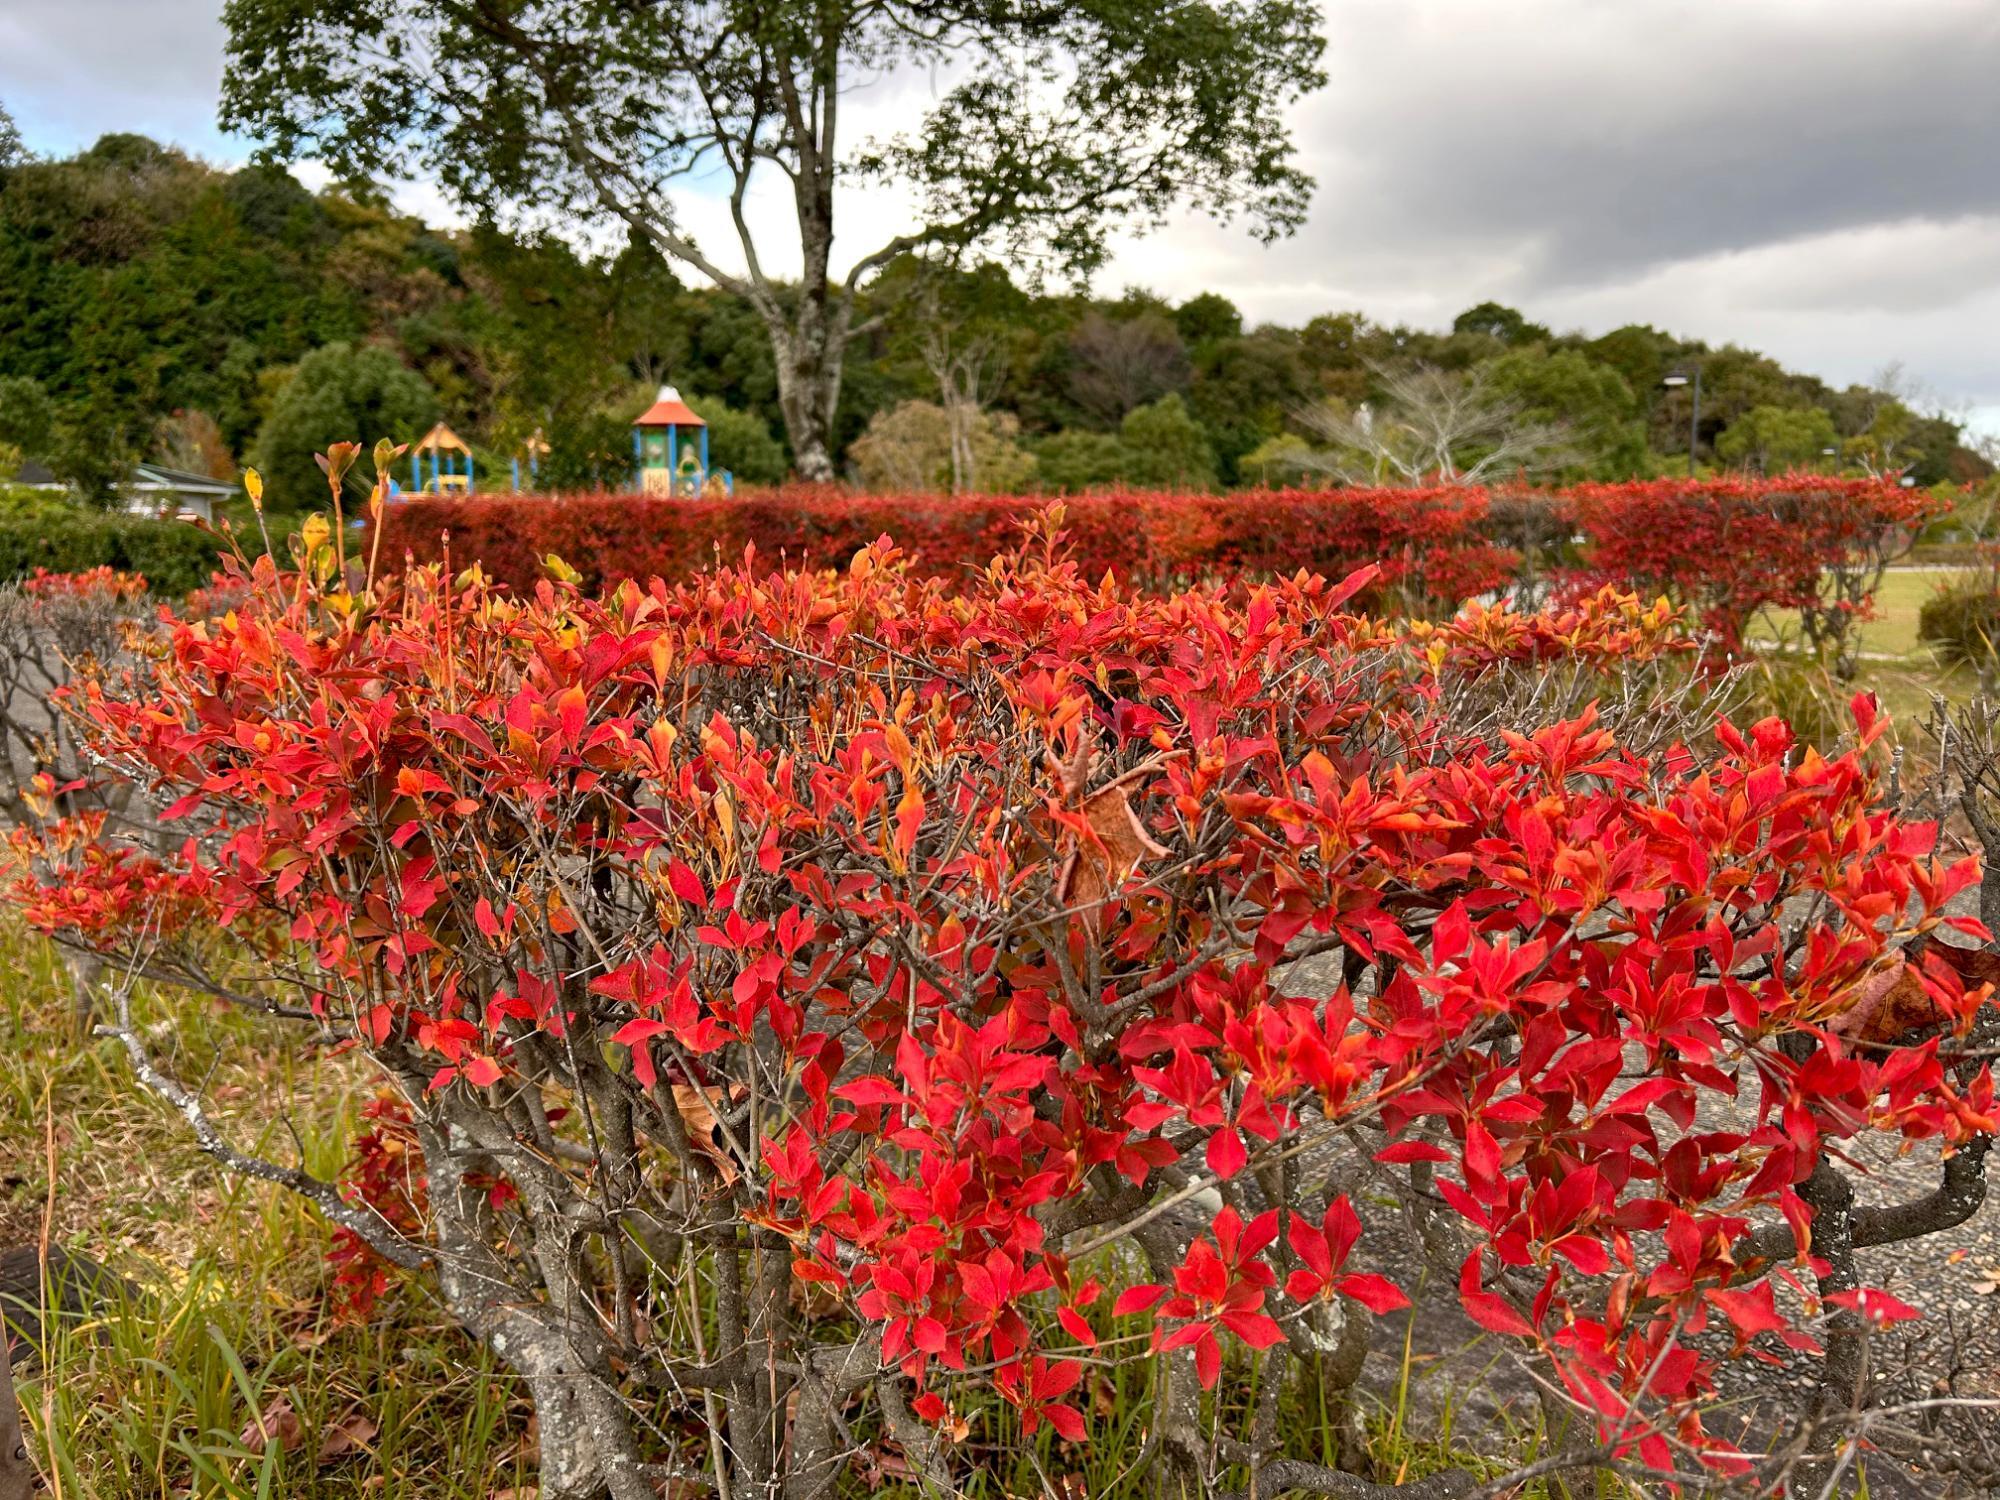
(1599, 140)
(70, 70)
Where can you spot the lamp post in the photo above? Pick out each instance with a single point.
(1830, 453)
(1694, 421)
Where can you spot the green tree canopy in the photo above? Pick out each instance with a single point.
(741, 442)
(1772, 439)
(1590, 401)
(1077, 460)
(27, 416)
(1206, 317)
(1165, 448)
(338, 394)
(1496, 320)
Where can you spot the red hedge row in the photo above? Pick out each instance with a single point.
(1726, 546)
(1429, 539)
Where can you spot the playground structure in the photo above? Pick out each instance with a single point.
(663, 465)
(669, 452)
(669, 455)
(451, 463)
(535, 450)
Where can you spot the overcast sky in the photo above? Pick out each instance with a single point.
(1819, 179)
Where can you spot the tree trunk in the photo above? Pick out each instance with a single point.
(588, 1447)
(808, 390)
(17, 1471)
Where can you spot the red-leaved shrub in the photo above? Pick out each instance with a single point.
(1428, 543)
(1732, 547)
(825, 1001)
(1727, 546)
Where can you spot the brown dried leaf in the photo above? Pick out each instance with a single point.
(1888, 1007)
(1102, 859)
(276, 1423)
(697, 1111)
(350, 1435)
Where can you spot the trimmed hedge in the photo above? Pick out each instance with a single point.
(1724, 546)
(175, 557)
(1429, 540)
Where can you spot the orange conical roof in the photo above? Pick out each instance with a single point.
(669, 411)
(443, 439)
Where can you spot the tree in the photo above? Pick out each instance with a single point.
(1495, 320)
(1245, 387)
(191, 442)
(1772, 439)
(27, 416)
(1206, 317)
(337, 394)
(1078, 460)
(917, 446)
(1066, 121)
(1570, 391)
(741, 442)
(12, 152)
(1434, 425)
(1120, 364)
(965, 367)
(1165, 448)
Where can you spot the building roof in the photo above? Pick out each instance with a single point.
(180, 482)
(442, 439)
(669, 411)
(143, 478)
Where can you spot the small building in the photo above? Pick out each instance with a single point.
(148, 490)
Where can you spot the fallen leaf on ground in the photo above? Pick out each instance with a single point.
(350, 1435)
(276, 1423)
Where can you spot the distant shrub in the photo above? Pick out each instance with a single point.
(174, 556)
(1730, 547)
(1724, 547)
(1961, 622)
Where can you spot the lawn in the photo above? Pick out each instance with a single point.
(159, 1397)
(1895, 665)
(1893, 630)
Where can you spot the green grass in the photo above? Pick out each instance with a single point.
(1895, 665)
(149, 1399)
(1892, 631)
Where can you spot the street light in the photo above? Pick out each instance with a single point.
(1694, 421)
(1829, 452)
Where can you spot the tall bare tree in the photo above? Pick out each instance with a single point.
(1433, 426)
(1121, 364)
(965, 367)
